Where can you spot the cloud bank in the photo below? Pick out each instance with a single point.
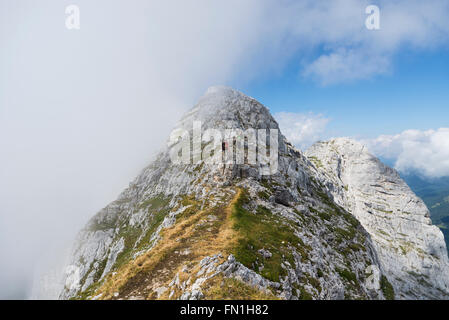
(425, 152)
(302, 129)
(352, 52)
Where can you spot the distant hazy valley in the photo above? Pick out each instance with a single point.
(435, 194)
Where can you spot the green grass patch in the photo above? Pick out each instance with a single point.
(317, 162)
(263, 195)
(263, 230)
(387, 288)
(346, 234)
(158, 209)
(303, 294)
(347, 275)
(233, 289)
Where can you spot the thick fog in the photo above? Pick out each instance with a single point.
(82, 111)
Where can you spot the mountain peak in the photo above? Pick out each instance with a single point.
(193, 230)
(396, 219)
(224, 107)
(222, 95)
(343, 143)
(222, 90)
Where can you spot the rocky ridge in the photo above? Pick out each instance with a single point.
(209, 231)
(410, 249)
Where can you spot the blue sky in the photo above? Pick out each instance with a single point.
(414, 94)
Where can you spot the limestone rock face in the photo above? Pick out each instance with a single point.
(411, 250)
(289, 229)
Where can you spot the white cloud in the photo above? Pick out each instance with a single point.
(351, 52)
(426, 152)
(346, 65)
(302, 129)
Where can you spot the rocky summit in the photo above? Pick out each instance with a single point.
(333, 223)
(410, 249)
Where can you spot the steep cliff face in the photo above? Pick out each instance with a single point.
(240, 229)
(411, 250)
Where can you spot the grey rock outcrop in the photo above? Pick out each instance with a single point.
(411, 250)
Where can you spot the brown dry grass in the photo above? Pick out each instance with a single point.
(220, 288)
(158, 267)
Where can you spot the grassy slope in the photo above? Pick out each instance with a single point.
(239, 227)
(194, 233)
